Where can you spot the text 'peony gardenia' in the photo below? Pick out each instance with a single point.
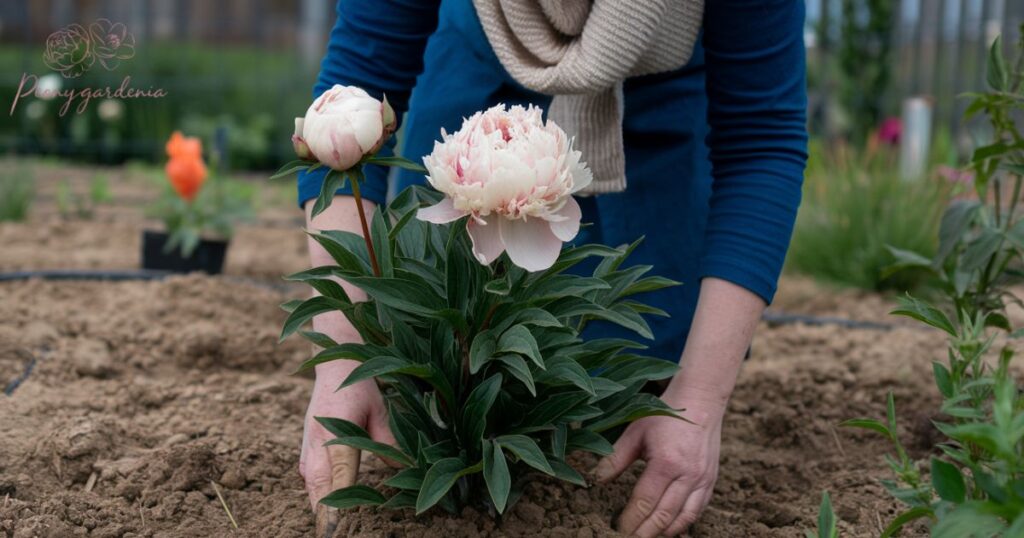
(514, 175)
(342, 126)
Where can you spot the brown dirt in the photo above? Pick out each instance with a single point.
(158, 388)
(144, 393)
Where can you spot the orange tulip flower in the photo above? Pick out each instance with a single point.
(185, 169)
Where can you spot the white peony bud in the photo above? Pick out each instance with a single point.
(343, 125)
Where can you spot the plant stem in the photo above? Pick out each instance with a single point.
(356, 176)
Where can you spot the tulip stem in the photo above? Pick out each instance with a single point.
(354, 178)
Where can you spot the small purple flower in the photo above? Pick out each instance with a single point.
(69, 51)
(890, 131)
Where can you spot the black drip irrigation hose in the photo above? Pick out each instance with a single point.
(770, 316)
(124, 276)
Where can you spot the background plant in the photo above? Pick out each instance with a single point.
(977, 487)
(17, 189)
(484, 373)
(71, 203)
(855, 204)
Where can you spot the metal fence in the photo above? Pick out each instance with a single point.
(939, 49)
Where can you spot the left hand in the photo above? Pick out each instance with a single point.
(682, 466)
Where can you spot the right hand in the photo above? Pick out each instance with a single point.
(326, 469)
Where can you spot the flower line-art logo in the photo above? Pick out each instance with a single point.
(72, 50)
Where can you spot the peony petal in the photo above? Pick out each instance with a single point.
(487, 245)
(530, 242)
(441, 213)
(567, 228)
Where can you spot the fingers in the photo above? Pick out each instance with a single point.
(316, 471)
(646, 500)
(666, 512)
(626, 451)
(690, 512)
(380, 431)
(344, 464)
(344, 468)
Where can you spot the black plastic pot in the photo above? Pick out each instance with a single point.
(208, 256)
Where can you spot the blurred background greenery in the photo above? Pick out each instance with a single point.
(237, 72)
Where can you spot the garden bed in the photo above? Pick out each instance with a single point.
(151, 390)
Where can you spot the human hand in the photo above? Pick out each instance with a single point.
(682, 466)
(326, 469)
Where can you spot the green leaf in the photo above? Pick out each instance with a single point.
(306, 311)
(948, 482)
(628, 369)
(342, 428)
(348, 350)
(402, 499)
(481, 350)
(496, 475)
(381, 243)
(586, 440)
(518, 339)
(290, 306)
(411, 479)
(478, 404)
(826, 518)
(924, 312)
(318, 339)
(651, 283)
(556, 405)
(384, 365)
(955, 222)
(981, 249)
(499, 286)
(333, 181)
(352, 496)
(402, 295)
(564, 472)
(437, 481)
(942, 379)
(973, 518)
(291, 168)
(640, 406)
(369, 445)
(526, 450)
(897, 524)
(397, 162)
(347, 249)
(517, 367)
(562, 370)
(996, 72)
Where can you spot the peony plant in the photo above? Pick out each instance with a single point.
(473, 323)
(189, 211)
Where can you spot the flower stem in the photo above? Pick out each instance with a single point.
(356, 176)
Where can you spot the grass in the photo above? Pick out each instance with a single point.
(855, 205)
(17, 189)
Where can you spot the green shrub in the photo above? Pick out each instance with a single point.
(17, 190)
(976, 486)
(485, 375)
(854, 207)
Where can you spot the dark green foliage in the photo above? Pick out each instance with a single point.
(484, 372)
(976, 487)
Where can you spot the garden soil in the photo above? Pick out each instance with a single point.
(145, 403)
(145, 394)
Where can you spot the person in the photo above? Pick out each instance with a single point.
(714, 156)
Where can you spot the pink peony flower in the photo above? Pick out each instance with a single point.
(514, 175)
(302, 150)
(343, 125)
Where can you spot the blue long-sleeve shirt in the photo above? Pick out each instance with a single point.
(715, 151)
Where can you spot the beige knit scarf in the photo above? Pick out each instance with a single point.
(580, 51)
